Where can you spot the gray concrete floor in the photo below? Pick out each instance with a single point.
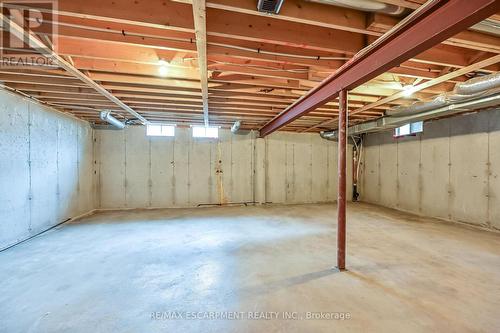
(111, 271)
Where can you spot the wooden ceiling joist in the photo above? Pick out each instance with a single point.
(226, 57)
(22, 34)
(200, 28)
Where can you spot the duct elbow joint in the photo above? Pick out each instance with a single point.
(107, 117)
(236, 127)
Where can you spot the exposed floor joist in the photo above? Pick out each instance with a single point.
(257, 64)
(429, 26)
(21, 34)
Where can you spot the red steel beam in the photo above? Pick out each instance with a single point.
(426, 27)
(342, 165)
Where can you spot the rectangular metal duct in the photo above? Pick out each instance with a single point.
(269, 6)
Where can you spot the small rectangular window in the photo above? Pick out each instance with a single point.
(417, 127)
(205, 132)
(409, 129)
(403, 130)
(160, 130)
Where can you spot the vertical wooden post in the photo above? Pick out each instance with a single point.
(341, 198)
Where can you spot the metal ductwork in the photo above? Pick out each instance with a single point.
(365, 5)
(329, 135)
(107, 117)
(269, 6)
(478, 84)
(448, 110)
(473, 88)
(488, 100)
(236, 127)
(417, 107)
(488, 26)
(333, 136)
(474, 94)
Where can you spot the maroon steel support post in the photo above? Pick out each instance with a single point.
(341, 198)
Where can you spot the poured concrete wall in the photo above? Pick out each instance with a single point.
(45, 168)
(135, 170)
(55, 167)
(450, 171)
(302, 168)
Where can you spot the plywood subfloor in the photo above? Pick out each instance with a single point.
(111, 271)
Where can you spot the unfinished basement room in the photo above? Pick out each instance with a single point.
(250, 166)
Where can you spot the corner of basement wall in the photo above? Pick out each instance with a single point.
(451, 171)
(46, 160)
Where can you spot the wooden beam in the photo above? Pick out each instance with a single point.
(169, 16)
(388, 99)
(402, 3)
(464, 39)
(92, 49)
(103, 49)
(160, 14)
(267, 30)
(20, 33)
(157, 42)
(200, 29)
(348, 20)
(299, 11)
(429, 26)
(430, 83)
(149, 37)
(148, 81)
(119, 67)
(166, 15)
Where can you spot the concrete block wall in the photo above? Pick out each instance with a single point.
(137, 171)
(46, 173)
(450, 171)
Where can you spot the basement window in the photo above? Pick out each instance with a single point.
(409, 129)
(160, 130)
(205, 132)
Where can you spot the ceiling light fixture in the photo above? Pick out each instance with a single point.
(163, 69)
(409, 90)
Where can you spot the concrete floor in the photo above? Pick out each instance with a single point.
(111, 271)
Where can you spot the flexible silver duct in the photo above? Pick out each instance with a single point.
(473, 88)
(365, 5)
(106, 116)
(454, 103)
(488, 26)
(385, 123)
(478, 84)
(417, 107)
